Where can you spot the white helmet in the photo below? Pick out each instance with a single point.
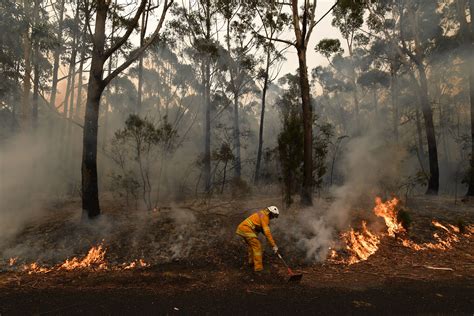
(274, 210)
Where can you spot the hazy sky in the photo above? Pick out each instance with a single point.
(323, 30)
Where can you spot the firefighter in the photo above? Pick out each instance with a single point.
(258, 223)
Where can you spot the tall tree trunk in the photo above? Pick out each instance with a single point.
(95, 87)
(355, 99)
(307, 189)
(262, 117)
(237, 163)
(57, 52)
(469, 44)
(140, 61)
(25, 99)
(470, 190)
(207, 101)
(394, 92)
(77, 112)
(36, 70)
(419, 132)
(433, 182)
(207, 128)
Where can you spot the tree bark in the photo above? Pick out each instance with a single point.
(25, 99)
(307, 189)
(262, 117)
(394, 95)
(237, 164)
(140, 62)
(36, 70)
(207, 101)
(433, 182)
(57, 52)
(470, 190)
(77, 111)
(468, 38)
(207, 127)
(95, 87)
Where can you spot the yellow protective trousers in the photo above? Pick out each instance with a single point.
(255, 253)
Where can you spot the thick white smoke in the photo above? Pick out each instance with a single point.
(369, 167)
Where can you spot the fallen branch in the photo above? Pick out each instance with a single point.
(438, 268)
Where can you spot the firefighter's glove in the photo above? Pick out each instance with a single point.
(275, 249)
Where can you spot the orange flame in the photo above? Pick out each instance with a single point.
(94, 260)
(362, 244)
(388, 212)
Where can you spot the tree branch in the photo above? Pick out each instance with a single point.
(135, 54)
(129, 31)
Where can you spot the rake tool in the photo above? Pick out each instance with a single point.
(294, 277)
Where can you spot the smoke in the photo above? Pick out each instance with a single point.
(370, 167)
(24, 178)
(182, 238)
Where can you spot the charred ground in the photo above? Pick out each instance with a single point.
(197, 266)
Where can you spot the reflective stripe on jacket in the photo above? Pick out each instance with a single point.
(256, 223)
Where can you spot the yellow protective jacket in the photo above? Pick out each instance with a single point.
(256, 223)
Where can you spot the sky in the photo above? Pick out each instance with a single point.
(323, 30)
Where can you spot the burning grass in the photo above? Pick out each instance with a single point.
(361, 244)
(94, 260)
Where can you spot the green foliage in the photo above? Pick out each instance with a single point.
(374, 77)
(328, 47)
(322, 137)
(290, 139)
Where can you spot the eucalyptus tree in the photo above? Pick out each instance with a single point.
(241, 64)
(418, 33)
(97, 83)
(466, 36)
(197, 20)
(303, 21)
(272, 21)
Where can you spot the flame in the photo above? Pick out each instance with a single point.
(364, 243)
(136, 263)
(388, 212)
(35, 268)
(94, 260)
(361, 244)
(12, 261)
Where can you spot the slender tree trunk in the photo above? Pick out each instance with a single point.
(25, 100)
(433, 182)
(140, 62)
(207, 128)
(262, 117)
(470, 190)
(207, 101)
(469, 44)
(419, 132)
(80, 72)
(237, 164)
(394, 92)
(95, 87)
(307, 189)
(57, 52)
(36, 69)
(355, 98)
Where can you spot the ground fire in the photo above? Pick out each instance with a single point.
(363, 243)
(93, 261)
